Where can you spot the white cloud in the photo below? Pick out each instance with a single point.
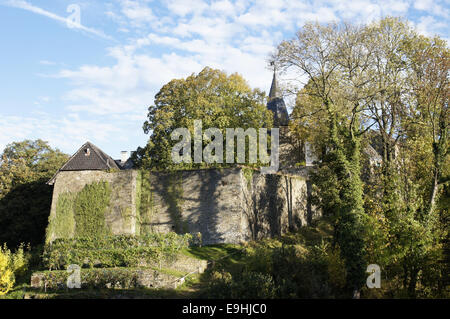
(186, 7)
(423, 4)
(29, 7)
(137, 11)
(429, 26)
(65, 133)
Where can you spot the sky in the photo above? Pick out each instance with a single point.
(93, 78)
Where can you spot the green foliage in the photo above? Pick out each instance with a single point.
(114, 251)
(62, 225)
(249, 285)
(144, 202)
(299, 265)
(89, 207)
(25, 199)
(397, 222)
(12, 265)
(248, 174)
(219, 100)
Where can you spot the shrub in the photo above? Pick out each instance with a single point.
(248, 285)
(11, 265)
(114, 251)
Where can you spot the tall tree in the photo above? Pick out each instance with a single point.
(335, 63)
(217, 99)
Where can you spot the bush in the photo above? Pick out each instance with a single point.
(114, 251)
(11, 265)
(248, 285)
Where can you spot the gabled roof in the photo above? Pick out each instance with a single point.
(276, 104)
(88, 157)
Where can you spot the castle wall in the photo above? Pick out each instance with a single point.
(207, 201)
(224, 205)
(121, 214)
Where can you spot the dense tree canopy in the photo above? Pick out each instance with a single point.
(217, 99)
(385, 85)
(25, 199)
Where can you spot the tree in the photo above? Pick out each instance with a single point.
(334, 61)
(217, 99)
(25, 199)
(429, 82)
(385, 80)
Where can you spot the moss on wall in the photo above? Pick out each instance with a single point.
(248, 174)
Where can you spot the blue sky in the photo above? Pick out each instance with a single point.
(95, 81)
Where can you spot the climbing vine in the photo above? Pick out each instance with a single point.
(62, 225)
(144, 201)
(90, 206)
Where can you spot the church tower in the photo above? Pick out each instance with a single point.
(276, 104)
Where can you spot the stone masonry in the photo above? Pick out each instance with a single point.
(225, 205)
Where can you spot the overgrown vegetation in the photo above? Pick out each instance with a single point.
(62, 225)
(386, 86)
(25, 199)
(115, 251)
(144, 202)
(300, 265)
(89, 207)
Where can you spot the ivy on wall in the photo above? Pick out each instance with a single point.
(144, 202)
(89, 208)
(138, 195)
(62, 225)
(171, 189)
(82, 214)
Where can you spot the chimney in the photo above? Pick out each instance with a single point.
(124, 156)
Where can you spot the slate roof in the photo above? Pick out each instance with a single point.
(276, 105)
(88, 157)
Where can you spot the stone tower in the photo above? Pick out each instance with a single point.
(276, 105)
(289, 154)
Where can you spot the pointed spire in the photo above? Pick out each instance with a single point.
(276, 103)
(274, 92)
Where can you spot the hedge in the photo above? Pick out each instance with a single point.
(114, 251)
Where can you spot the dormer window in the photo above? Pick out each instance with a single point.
(87, 152)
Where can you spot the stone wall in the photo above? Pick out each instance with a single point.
(97, 278)
(121, 214)
(210, 202)
(224, 205)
